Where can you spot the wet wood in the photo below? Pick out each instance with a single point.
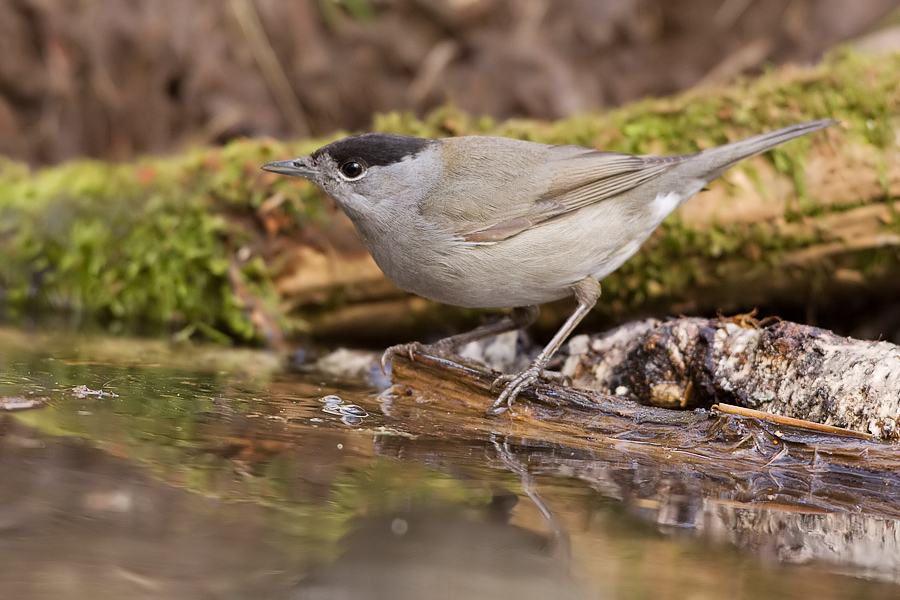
(783, 372)
(578, 431)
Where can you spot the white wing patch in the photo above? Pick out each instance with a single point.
(664, 203)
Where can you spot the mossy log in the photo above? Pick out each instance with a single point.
(741, 244)
(810, 222)
(209, 243)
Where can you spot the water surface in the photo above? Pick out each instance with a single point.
(156, 471)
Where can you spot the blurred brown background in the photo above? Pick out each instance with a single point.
(114, 79)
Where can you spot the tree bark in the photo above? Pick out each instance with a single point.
(791, 376)
(785, 369)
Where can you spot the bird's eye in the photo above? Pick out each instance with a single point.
(353, 169)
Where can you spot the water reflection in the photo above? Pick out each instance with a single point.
(443, 554)
(863, 545)
(214, 481)
(78, 522)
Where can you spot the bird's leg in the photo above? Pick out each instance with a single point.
(587, 292)
(521, 317)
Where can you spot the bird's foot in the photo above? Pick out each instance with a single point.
(513, 384)
(437, 349)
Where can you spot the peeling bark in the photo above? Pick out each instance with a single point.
(791, 376)
(783, 369)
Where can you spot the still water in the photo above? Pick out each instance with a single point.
(154, 471)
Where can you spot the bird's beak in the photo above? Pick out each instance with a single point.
(298, 167)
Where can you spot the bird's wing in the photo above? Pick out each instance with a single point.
(580, 177)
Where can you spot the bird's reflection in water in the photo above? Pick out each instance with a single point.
(444, 553)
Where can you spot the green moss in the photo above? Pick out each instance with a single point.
(148, 242)
(860, 90)
(169, 240)
(678, 258)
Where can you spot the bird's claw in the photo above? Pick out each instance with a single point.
(437, 349)
(515, 383)
(557, 377)
(407, 349)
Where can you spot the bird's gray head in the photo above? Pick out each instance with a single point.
(359, 172)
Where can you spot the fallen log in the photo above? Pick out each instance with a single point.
(607, 440)
(791, 376)
(207, 242)
(784, 368)
(768, 484)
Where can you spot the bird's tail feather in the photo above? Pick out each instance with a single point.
(721, 158)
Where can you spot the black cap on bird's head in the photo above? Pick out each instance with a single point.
(376, 149)
(353, 155)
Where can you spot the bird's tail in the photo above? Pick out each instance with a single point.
(720, 159)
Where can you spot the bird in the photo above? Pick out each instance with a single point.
(495, 222)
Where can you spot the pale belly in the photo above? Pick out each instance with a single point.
(534, 267)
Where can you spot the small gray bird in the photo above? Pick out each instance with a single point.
(488, 222)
